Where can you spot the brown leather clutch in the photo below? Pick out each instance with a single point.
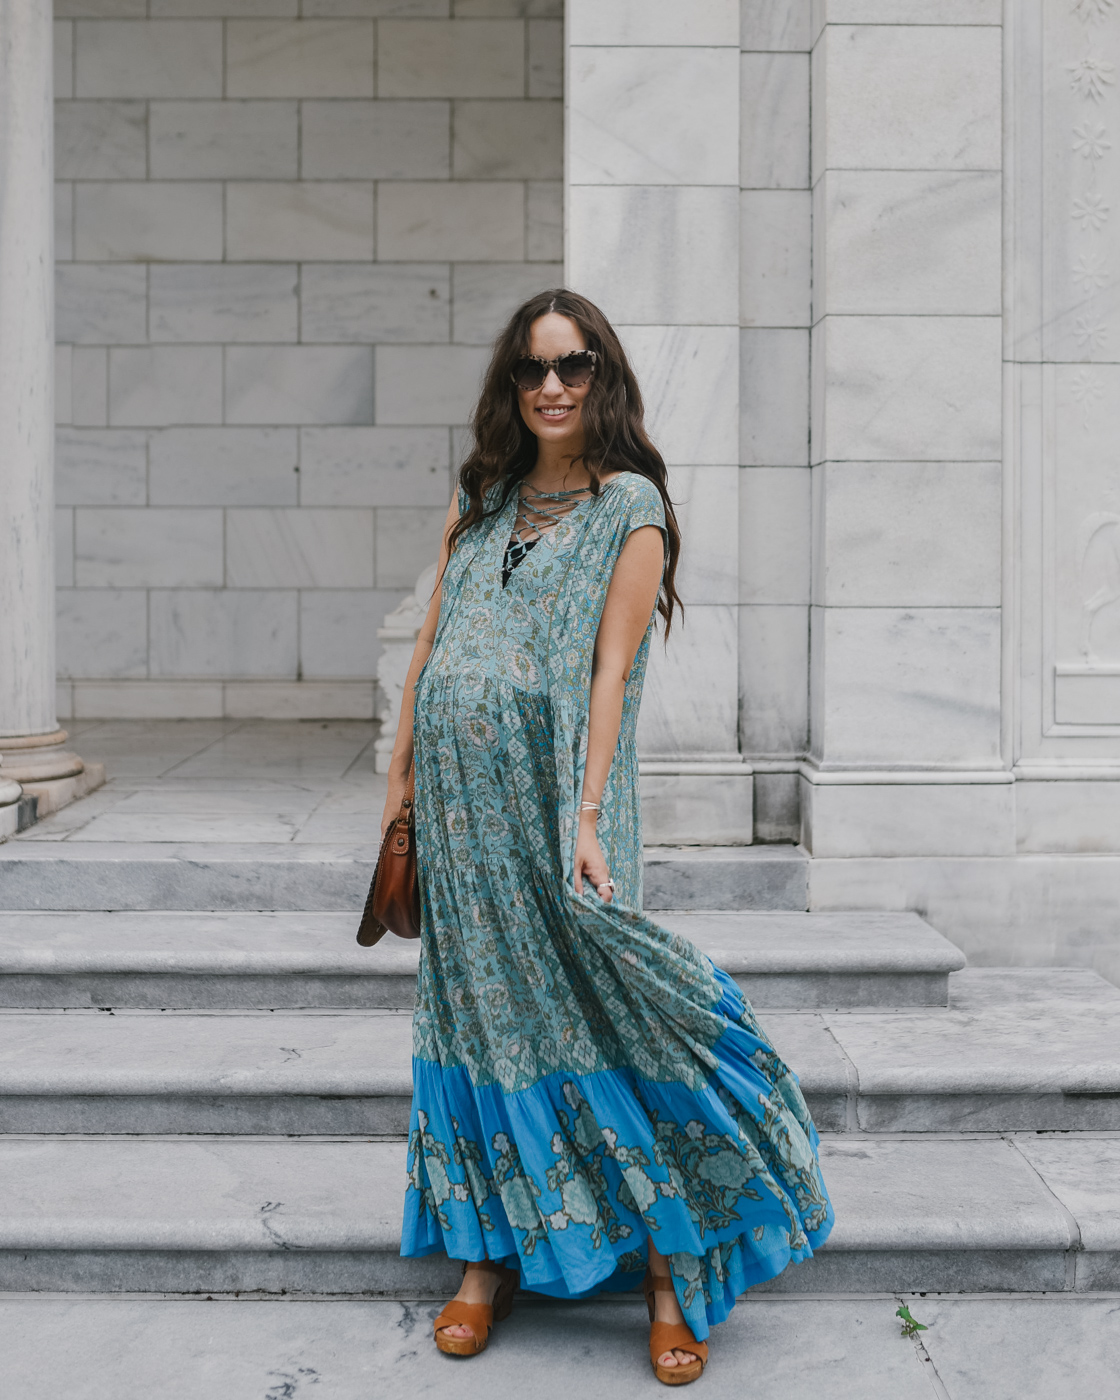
(393, 903)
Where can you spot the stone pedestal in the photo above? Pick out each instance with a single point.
(398, 637)
(30, 740)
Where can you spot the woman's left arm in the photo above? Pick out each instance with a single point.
(630, 602)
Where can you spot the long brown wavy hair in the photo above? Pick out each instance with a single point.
(504, 450)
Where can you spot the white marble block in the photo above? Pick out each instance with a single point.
(688, 376)
(142, 222)
(63, 55)
(223, 467)
(912, 534)
(100, 140)
(376, 140)
(774, 535)
(895, 97)
(924, 12)
(481, 221)
(374, 467)
(907, 388)
(299, 384)
(901, 242)
(508, 140)
(338, 631)
(89, 386)
(544, 218)
(659, 22)
(851, 820)
(689, 704)
(201, 302)
(773, 679)
(147, 548)
(658, 254)
(299, 548)
(102, 632)
(546, 58)
(100, 303)
(141, 58)
(228, 632)
(773, 397)
(612, 140)
(101, 467)
(427, 384)
(908, 688)
(485, 295)
(450, 58)
(63, 222)
(775, 257)
(775, 25)
(224, 140)
(406, 536)
(164, 384)
(706, 501)
(774, 121)
(299, 58)
(374, 302)
(292, 221)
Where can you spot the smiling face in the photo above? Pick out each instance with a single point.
(554, 412)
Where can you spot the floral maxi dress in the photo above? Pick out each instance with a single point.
(584, 1080)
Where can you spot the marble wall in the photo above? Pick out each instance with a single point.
(907, 722)
(775, 306)
(651, 228)
(285, 236)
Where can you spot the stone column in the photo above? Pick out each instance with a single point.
(907, 755)
(31, 743)
(652, 112)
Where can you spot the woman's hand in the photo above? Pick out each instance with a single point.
(397, 784)
(590, 863)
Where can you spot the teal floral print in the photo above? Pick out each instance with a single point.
(584, 1080)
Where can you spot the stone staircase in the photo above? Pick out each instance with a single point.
(214, 1100)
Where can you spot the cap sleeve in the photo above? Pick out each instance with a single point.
(645, 505)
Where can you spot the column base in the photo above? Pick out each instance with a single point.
(697, 802)
(47, 771)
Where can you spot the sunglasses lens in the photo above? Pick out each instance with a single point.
(528, 374)
(576, 369)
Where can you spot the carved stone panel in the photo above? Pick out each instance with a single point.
(1064, 334)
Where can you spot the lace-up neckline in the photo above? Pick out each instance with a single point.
(538, 514)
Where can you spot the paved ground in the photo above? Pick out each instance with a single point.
(241, 781)
(977, 1348)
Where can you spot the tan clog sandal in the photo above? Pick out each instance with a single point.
(670, 1336)
(479, 1317)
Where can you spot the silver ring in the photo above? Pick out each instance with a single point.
(606, 885)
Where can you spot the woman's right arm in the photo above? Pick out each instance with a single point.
(402, 750)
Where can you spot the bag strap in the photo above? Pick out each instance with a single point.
(401, 830)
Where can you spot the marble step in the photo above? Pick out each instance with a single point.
(184, 960)
(81, 875)
(1029, 1050)
(978, 1347)
(959, 1214)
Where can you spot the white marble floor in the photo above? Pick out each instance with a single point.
(243, 781)
(976, 1348)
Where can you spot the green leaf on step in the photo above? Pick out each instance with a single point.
(910, 1325)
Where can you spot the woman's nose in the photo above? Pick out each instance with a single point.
(552, 384)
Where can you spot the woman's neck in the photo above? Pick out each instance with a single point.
(558, 468)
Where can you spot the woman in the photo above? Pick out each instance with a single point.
(593, 1099)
